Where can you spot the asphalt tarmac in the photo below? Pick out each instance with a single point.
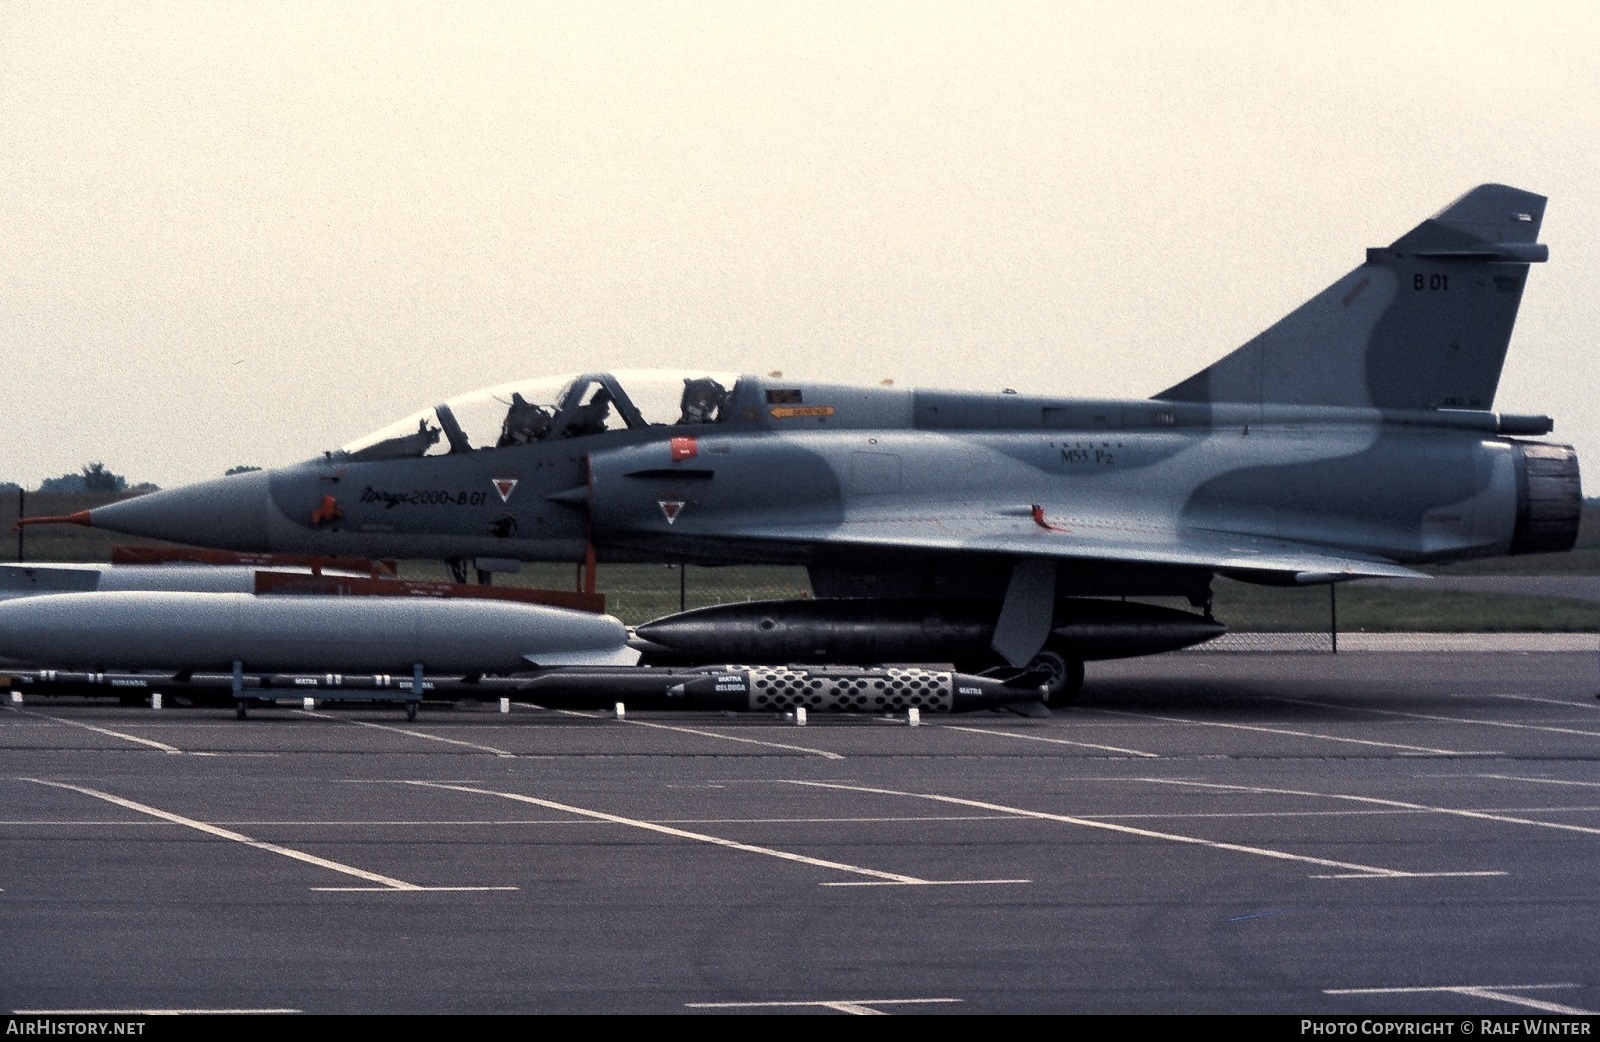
(1372, 832)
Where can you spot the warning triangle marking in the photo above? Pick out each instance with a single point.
(504, 487)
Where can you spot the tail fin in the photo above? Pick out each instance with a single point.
(1423, 324)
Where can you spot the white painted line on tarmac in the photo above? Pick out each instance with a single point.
(163, 746)
(1566, 703)
(506, 753)
(1497, 992)
(825, 754)
(1480, 815)
(1442, 719)
(855, 1007)
(511, 822)
(385, 882)
(932, 882)
(1421, 750)
(701, 837)
(408, 889)
(1354, 871)
(285, 823)
(69, 823)
(899, 820)
(1052, 741)
(1397, 812)
(1541, 781)
(150, 1012)
(1415, 875)
(1231, 815)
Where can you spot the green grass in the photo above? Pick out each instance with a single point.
(1583, 560)
(1373, 609)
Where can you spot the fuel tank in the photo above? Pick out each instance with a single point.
(865, 631)
(210, 631)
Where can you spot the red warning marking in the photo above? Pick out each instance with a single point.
(327, 510)
(195, 555)
(671, 508)
(351, 586)
(1039, 519)
(80, 518)
(684, 447)
(504, 487)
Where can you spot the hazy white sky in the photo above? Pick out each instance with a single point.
(243, 233)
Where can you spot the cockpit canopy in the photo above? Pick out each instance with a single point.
(553, 407)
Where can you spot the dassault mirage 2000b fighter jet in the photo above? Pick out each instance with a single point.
(1354, 438)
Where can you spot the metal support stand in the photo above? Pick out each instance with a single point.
(238, 689)
(416, 691)
(1333, 615)
(588, 568)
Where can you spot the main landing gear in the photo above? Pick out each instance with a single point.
(1065, 675)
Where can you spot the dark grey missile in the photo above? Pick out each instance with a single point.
(218, 688)
(780, 688)
(870, 631)
(210, 631)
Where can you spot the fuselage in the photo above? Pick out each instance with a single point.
(840, 476)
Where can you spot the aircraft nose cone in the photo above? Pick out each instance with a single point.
(230, 513)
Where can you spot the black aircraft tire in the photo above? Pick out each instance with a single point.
(1066, 677)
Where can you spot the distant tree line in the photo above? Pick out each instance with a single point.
(94, 477)
(97, 478)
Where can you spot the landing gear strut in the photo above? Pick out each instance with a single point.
(1066, 676)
